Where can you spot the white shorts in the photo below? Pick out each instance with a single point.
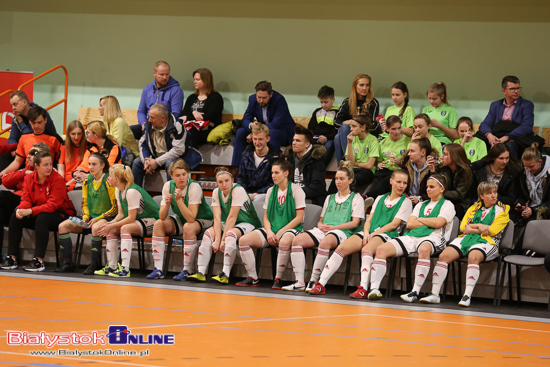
(243, 227)
(147, 225)
(385, 238)
(406, 245)
(489, 251)
(317, 235)
(263, 234)
(204, 223)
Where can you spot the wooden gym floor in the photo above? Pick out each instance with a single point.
(230, 326)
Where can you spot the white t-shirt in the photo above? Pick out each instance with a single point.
(258, 159)
(195, 193)
(134, 199)
(240, 197)
(447, 211)
(357, 205)
(404, 211)
(297, 192)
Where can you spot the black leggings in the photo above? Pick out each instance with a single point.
(42, 224)
(381, 183)
(8, 203)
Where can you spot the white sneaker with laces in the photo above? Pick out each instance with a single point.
(374, 294)
(409, 297)
(310, 286)
(295, 287)
(432, 298)
(465, 301)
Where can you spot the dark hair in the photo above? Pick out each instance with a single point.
(458, 155)
(495, 152)
(441, 178)
(286, 166)
(403, 88)
(509, 79)
(207, 79)
(103, 160)
(300, 130)
(264, 86)
(466, 120)
(423, 116)
(38, 156)
(392, 120)
(325, 92)
(35, 112)
(363, 120)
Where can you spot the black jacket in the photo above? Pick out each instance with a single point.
(314, 173)
(507, 190)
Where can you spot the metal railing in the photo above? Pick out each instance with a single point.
(63, 100)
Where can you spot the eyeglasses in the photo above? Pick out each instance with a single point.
(518, 89)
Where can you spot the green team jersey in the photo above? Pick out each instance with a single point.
(280, 215)
(204, 211)
(365, 149)
(340, 213)
(99, 201)
(246, 214)
(389, 147)
(151, 208)
(436, 144)
(475, 149)
(446, 115)
(407, 118)
(383, 215)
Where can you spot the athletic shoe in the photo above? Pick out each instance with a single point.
(181, 276)
(432, 298)
(221, 278)
(106, 270)
(35, 265)
(310, 286)
(465, 301)
(318, 289)
(374, 294)
(197, 277)
(409, 297)
(9, 263)
(360, 293)
(90, 270)
(277, 284)
(295, 287)
(249, 282)
(156, 274)
(66, 268)
(120, 273)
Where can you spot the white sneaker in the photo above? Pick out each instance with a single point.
(295, 287)
(409, 297)
(465, 301)
(310, 286)
(374, 294)
(432, 298)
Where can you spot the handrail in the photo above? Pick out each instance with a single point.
(1, 95)
(63, 100)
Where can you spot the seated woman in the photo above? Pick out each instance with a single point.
(204, 105)
(482, 228)
(234, 216)
(284, 213)
(72, 153)
(475, 148)
(15, 181)
(360, 102)
(422, 124)
(116, 126)
(390, 211)
(392, 149)
(456, 168)
(136, 216)
(98, 207)
(192, 216)
(100, 142)
(340, 218)
(498, 168)
(44, 204)
(430, 226)
(416, 164)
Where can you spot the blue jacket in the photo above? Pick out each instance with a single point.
(278, 114)
(24, 127)
(171, 96)
(175, 135)
(523, 115)
(257, 180)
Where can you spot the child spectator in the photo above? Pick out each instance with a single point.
(422, 125)
(441, 113)
(321, 123)
(475, 148)
(72, 153)
(401, 108)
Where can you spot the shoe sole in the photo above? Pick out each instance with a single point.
(426, 301)
(294, 289)
(220, 281)
(161, 277)
(316, 294)
(35, 270)
(357, 297)
(278, 288)
(9, 268)
(196, 280)
(407, 300)
(374, 297)
(463, 304)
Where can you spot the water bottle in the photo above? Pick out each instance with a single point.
(78, 221)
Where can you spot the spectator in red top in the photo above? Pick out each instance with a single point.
(44, 205)
(72, 153)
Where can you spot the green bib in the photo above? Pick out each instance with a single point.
(280, 215)
(424, 231)
(99, 201)
(204, 211)
(247, 215)
(151, 209)
(340, 213)
(383, 215)
(474, 238)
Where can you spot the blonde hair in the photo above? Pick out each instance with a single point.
(353, 107)
(347, 168)
(123, 173)
(486, 187)
(98, 128)
(178, 164)
(222, 170)
(112, 109)
(532, 153)
(260, 128)
(75, 124)
(441, 90)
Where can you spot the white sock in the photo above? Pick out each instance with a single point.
(366, 264)
(319, 264)
(282, 260)
(420, 274)
(472, 275)
(126, 250)
(205, 253)
(440, 274)
(158, 251)
(298, 263)
(189, 250)
(112, 251)
(230, 252)
(332, 265)
(377, 271)
(249, 261)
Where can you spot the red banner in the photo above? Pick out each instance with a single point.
(11, 80)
